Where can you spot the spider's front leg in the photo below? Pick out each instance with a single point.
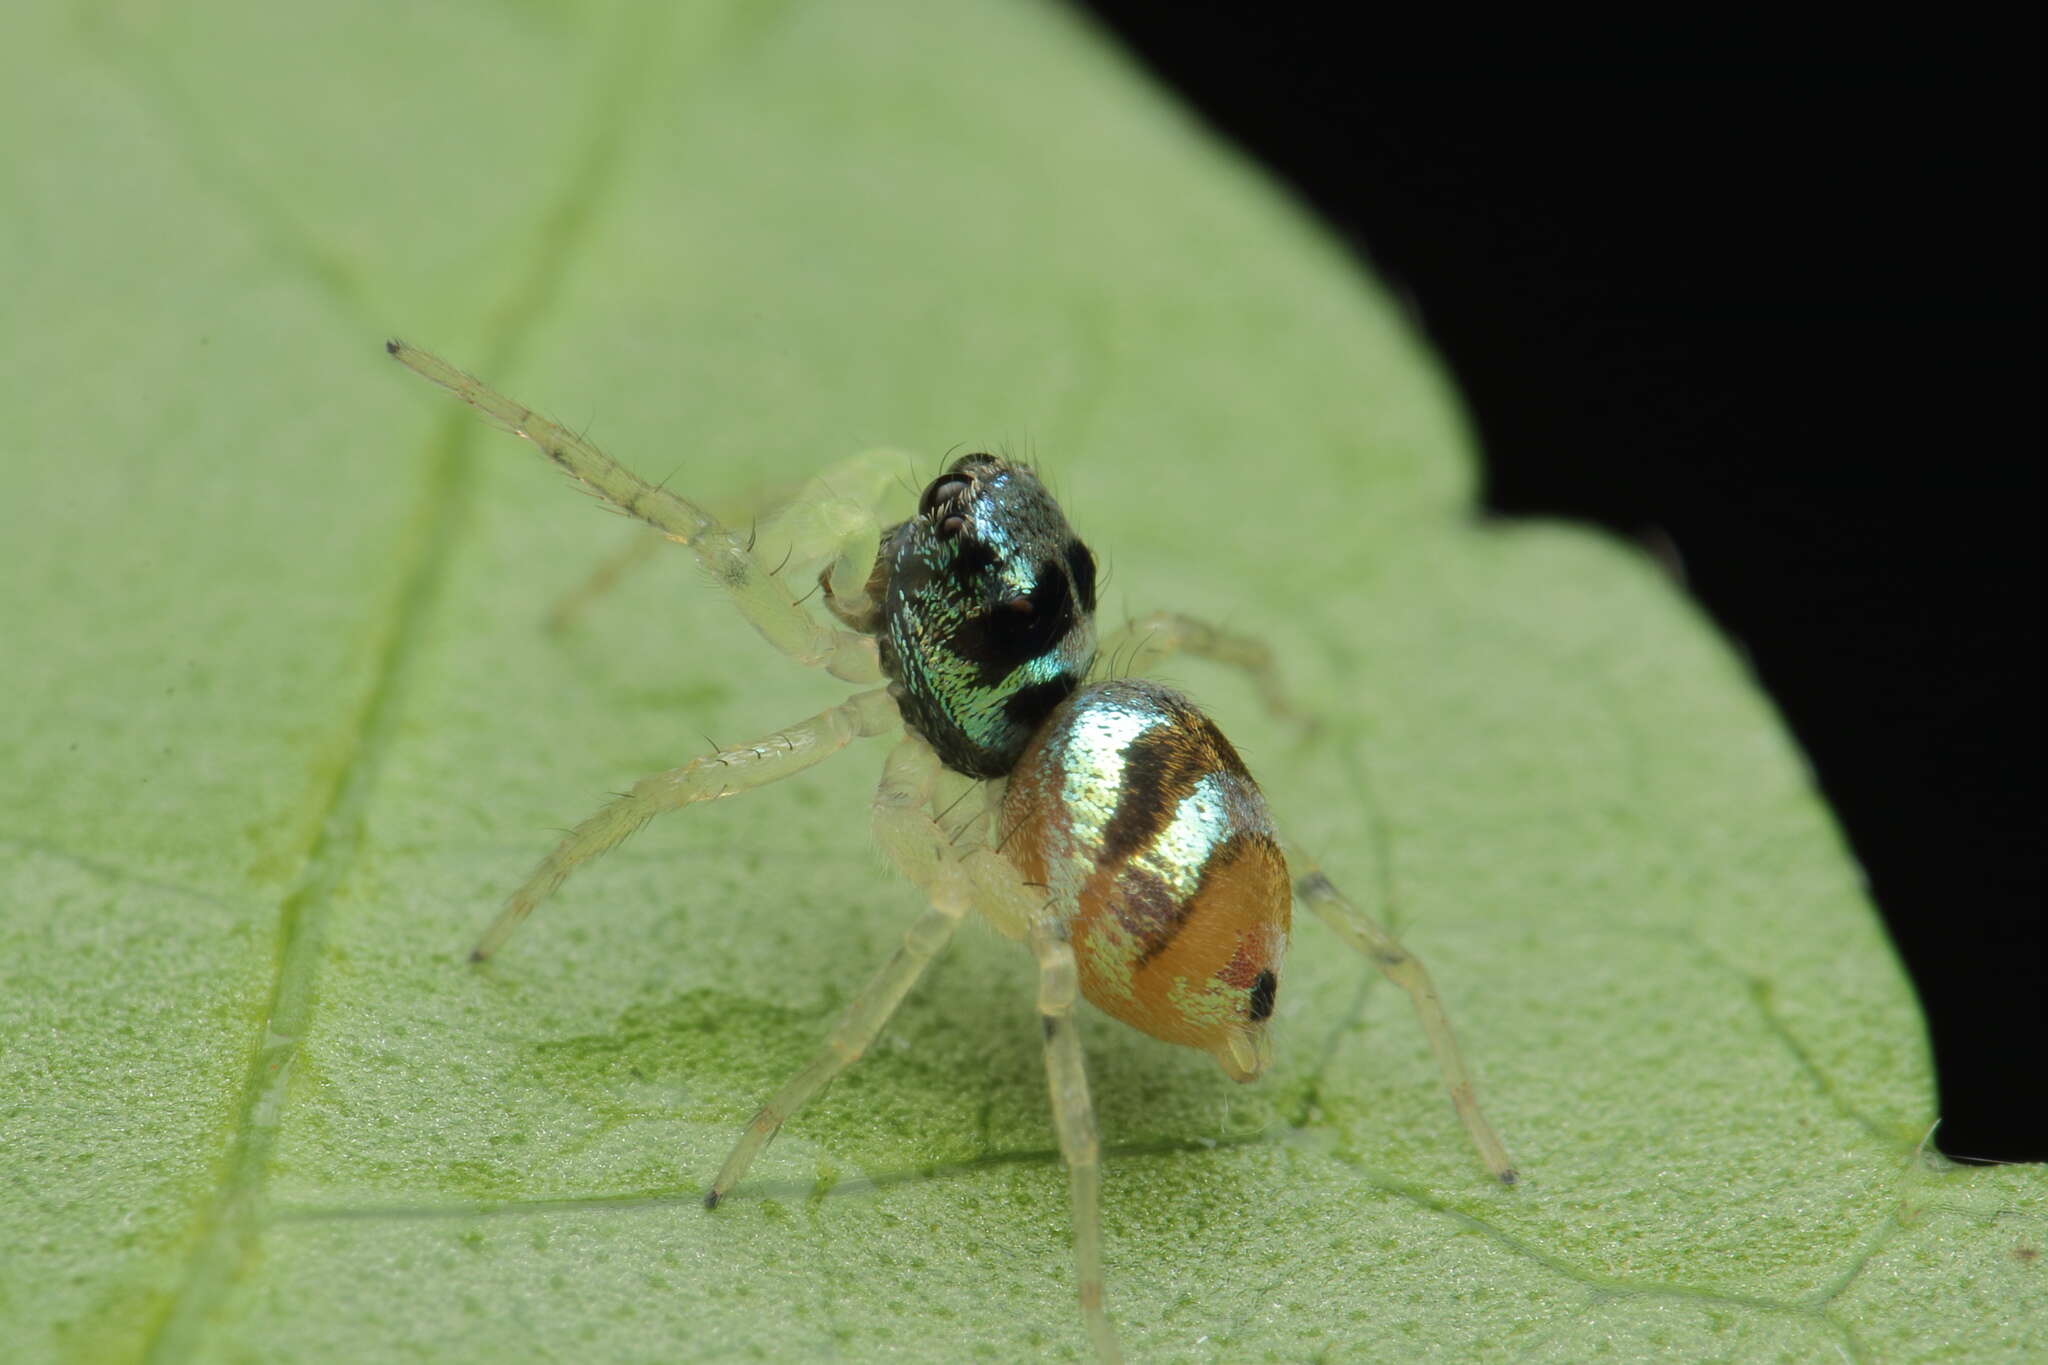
(1405, 970)
(829, 531)
(722, 773)
(757, 589)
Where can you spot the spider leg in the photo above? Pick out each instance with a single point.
(1073, 1115)
(1405, 970)
(1138, 645)
(722, 773)
(855, 1032)
(755, 587)
(832, 528)
(900, 823)
(931, 857)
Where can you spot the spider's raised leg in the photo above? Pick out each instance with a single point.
(1133, 648)
(1405, 970)
(831, 528)
(725, 772)
(755, 587)
(830, 531)
(924, 852)
(1073, 1115)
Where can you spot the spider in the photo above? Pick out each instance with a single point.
(1117, 834)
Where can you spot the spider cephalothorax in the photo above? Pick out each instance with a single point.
(987, 613)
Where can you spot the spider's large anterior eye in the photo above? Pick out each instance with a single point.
(947, 488)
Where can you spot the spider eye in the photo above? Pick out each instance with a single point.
(947, 488)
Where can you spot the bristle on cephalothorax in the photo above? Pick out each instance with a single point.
(1137, 814)
(988, 612)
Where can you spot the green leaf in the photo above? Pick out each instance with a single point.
(283, 723)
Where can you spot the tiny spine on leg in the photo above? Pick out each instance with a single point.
(1073, 1116)
(727, 772)
(1405, 970)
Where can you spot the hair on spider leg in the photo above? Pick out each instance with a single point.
(662, 487)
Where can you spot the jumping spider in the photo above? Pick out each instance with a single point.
(1118, 833)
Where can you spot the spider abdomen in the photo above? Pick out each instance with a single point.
(1136, 813)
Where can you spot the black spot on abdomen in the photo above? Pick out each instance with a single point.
(1263, 990)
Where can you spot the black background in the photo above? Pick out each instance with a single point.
(1767, 300)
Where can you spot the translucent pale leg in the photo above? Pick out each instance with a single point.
(1073, 1115)
(833, 525)
(855, 1032)
(725, 772)
(929, 856)
(901, 824)
(1134, 648)
(922, 849)
(756, 590)
(1405, 970)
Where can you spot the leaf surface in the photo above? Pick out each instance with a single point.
(284, 724)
